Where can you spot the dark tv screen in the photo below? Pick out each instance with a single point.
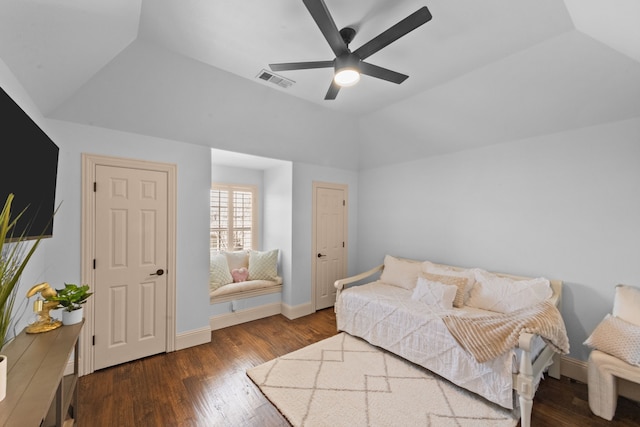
(29, 171)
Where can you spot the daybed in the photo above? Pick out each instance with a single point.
(492, 334)
(243, 274)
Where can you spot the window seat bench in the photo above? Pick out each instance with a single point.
(243, 274)
(246, 289)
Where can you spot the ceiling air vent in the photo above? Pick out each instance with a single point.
(275, 79)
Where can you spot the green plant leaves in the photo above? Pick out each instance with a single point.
(71, 296)
(14, 257)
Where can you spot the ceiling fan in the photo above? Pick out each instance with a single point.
(349, 65)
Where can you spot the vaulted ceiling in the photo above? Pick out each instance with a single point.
(480, 72)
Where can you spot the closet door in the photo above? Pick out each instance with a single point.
(130, 263)
(330, 226)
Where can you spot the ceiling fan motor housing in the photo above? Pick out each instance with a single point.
(347, 60)
(347, 34)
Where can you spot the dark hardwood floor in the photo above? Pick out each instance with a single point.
(207, 385)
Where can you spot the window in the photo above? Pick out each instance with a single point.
(233, 217)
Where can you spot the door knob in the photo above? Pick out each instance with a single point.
(159, 272)
(321, 255)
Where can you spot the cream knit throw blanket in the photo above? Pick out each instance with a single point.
(488, 337)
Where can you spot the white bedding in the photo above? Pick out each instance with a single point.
(387, 317)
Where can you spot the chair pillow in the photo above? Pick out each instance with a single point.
(504, 294)
(219, 274)
(400, 272)
(434, 293)
(263, 265)
(618, 338)
(626, 304)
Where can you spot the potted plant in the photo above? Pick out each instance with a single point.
(14, 256)
(71, 298)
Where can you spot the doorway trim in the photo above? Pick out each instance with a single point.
(89, 163)
(314, 224)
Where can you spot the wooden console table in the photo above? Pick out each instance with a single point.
(38, 392)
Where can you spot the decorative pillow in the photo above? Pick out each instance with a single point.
(626, 304)
(239, 274)
(460, 283)
(434, 293)
(618, 338)
(237, 259)
(504, 294)
(219, 272)
(400, 272)
(463, 280)
(263, 265)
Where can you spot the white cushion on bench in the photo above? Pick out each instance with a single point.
(249, 285)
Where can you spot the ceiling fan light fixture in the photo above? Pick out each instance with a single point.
(347, 70)
(347, 77)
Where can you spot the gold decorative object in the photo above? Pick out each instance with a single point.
(42, 308)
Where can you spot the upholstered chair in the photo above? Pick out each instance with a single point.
(616, 352)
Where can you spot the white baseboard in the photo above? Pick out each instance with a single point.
(193, 338)
(577, 370)
(573, 368)
(230, 319)
(629, 389)
(298, 311)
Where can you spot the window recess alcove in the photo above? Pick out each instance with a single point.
(250, 229)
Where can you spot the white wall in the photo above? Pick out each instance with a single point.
(193, 184)
(236, 175)
(565, 206)
(277, 219)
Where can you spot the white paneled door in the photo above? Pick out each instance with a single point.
(130, 297)
(330, 241)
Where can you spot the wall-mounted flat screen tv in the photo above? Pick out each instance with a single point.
(28, 169)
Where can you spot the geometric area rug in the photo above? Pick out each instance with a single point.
(345, 381)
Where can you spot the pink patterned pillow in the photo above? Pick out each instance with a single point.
(239, 274)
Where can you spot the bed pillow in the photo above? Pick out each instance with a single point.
(237, 259)
(434, 293)
(219, 274)
(463, 280)
(400, 272)
(263, 265)
(618, 338)
(505, 294)
(626, 304)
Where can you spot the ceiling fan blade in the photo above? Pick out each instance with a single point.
(321, 15)
(333, 91)
(400, 29)
(300, 65)
(382, 73)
